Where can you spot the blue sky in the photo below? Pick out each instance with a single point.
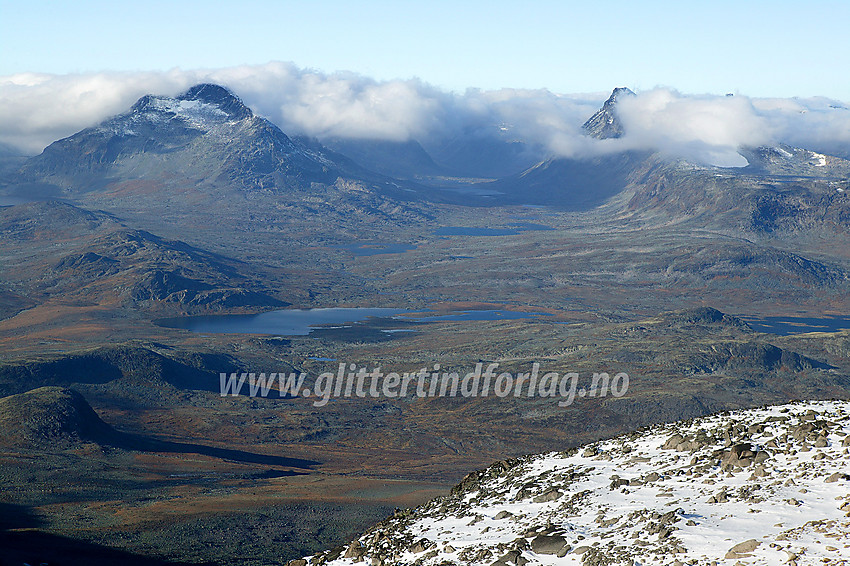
(777, 48)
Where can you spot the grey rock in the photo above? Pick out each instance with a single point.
(548, 544)
(548, 495)
(742, 549)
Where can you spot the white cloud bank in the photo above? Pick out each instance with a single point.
(36, 109)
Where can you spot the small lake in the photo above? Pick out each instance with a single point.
(12, 201)
(375, 248)
(486, 315)
(511, 229)
(301, 322)
(785, 325)
(287, 322)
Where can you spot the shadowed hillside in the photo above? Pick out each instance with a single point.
(50, 417)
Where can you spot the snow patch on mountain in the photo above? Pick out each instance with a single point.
(765, 486)
(157, 110)
(191, 110)
(818, 158)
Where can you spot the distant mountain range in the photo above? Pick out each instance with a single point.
(204, 157)
(206, 141)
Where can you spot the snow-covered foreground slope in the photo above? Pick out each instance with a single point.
(762, 486)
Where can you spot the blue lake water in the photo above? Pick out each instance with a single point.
(482, 316)
(512, 229)
(288, 322)
(301, 322)
(12, 201)
(375, 248)
(785, 325)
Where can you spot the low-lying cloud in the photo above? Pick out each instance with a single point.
(36, 109)
(707, 128)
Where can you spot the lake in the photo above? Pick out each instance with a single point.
(785, 325)
(512, 229)
(375, 248)
(287, 322)
(301, 322)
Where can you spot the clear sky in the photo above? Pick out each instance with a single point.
(759, 48)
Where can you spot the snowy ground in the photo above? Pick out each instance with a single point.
(763, 486)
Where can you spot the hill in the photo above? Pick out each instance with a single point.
(102, 261)
(49, 418)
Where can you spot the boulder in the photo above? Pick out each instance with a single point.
(548, 495)
(355, 550)
(742, 549)
(548, 544)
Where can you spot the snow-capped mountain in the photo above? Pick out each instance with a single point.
(205, 136)
(784, 159)
(760, 486)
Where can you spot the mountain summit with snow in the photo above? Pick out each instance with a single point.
(762, 486)
(204, 137)
(219, 96)
(605, 123)
(207, 101)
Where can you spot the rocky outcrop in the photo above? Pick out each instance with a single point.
(681, 493)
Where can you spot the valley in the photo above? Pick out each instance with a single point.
(193, 206)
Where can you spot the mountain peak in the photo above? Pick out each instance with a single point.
(605, 123)
(219, 96)
(206, 132)
(617, 92)
(204, 99)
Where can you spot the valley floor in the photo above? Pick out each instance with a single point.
(214, 481)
